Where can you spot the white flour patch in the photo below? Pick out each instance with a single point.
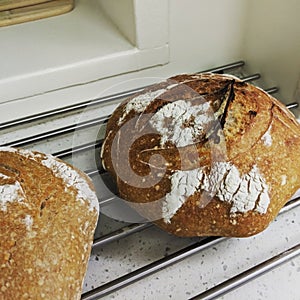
(10, 193)
(3, 176)
(181, 123)
(72, 178)
(140, 103)
(283, 180)
(14, 192)
(8, 149)
(24, 152)
(184, 184)
(245, 193)
(28, 221)
(267, 138)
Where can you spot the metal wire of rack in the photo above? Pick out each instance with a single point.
(126, 230)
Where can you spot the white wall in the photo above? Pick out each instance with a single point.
(205, 33)
(122, 14)
(272, 43)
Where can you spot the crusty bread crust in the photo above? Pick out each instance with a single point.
(48, 214)
(244, 154)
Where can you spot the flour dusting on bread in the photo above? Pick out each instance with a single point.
(183, 185)
(3, 176)
(181, 123)
(69, 175)
(72, 179)
(28, 221)
(10, 193)
(267, 137)
(140, 102)
(244, 193)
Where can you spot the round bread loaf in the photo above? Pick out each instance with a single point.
(48, 214)
(204, 154)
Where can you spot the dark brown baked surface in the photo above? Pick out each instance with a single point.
(204, 154)
(48, 214)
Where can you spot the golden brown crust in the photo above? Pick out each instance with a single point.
(251, 135)
(46, 226)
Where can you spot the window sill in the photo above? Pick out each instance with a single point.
(68, 50)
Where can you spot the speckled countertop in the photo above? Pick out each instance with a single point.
(201, 271)
(190, 276)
